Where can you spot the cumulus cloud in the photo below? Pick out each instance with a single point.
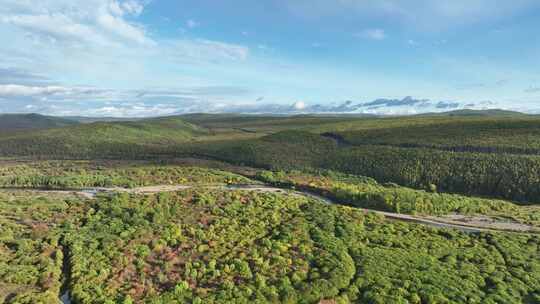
(56, 26)
(132, 110)
(130, 7)
(299, 105)
(18, 90)
(94, 24)
(96, 21)
(119, 27)
(92, 101)
(104, 32)
(21, 90)
(99, 42)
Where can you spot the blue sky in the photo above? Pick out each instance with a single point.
(157, 57)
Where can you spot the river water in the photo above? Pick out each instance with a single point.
(65, 298)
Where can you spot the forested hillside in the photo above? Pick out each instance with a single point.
(101, 139)
(515, 136)
(18, 122)
(514, 177)
(493, 156)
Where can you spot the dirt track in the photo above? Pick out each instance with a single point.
(470, 224)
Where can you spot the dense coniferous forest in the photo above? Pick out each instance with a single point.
(479, 156)
(514, 136)
(252, 209)
(503, 175)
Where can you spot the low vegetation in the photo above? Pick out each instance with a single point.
(80, 174)
(238, 247)
(31, 253)
(364, 192)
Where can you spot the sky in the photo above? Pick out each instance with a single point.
(159, 57)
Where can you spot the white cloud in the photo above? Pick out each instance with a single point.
(374, 34)
(96, 21)
(299, 105)
(57, 26)
(100, 43)
(72, 100)
(130, 7)
(9, 90)
(133, 7)
(118, 26)
(93, 24)
(133, 110)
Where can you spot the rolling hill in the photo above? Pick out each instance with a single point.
(133, 138)
(17, 122)
(470, 112)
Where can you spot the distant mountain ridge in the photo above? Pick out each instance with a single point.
(112, 137)
(381, 106)
(14, 122)
(86, 120)
(468, 112)
(407, 106)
